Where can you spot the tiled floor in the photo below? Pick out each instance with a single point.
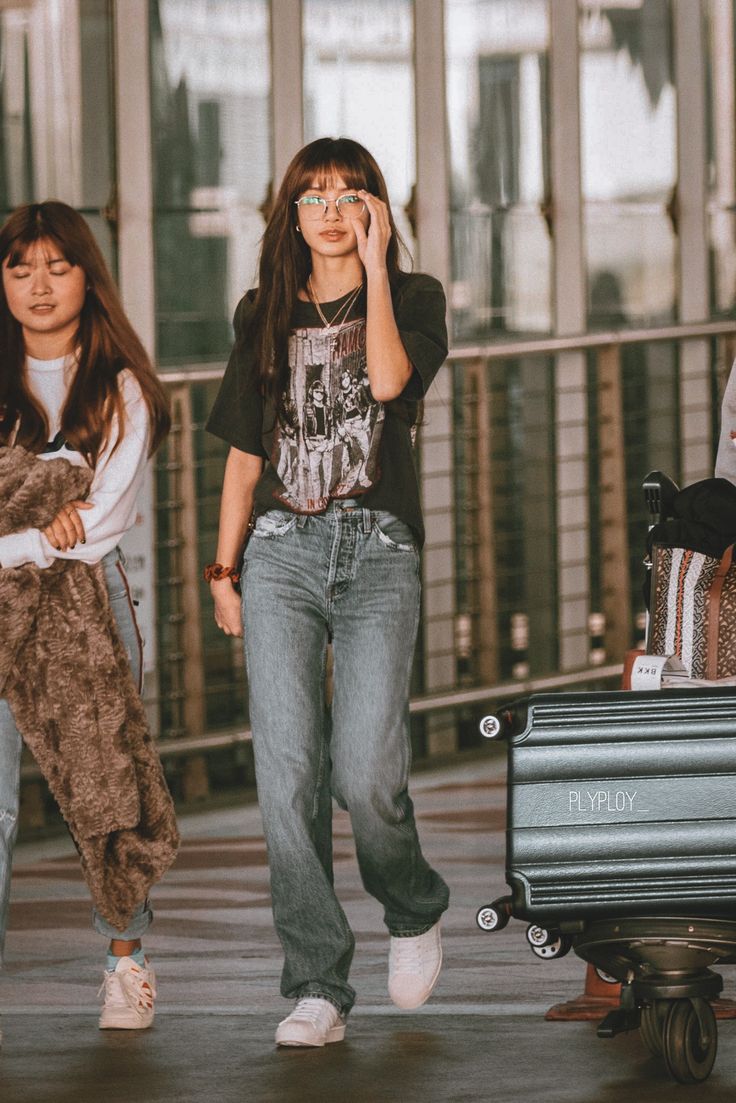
(482, 1036)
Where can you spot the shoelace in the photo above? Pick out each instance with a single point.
(139, 987)
(407, 955)
(310, 1009)
(110, 987)
(131, 986)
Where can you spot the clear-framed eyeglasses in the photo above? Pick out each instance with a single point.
(314, 207)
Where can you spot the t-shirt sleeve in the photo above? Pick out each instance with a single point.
(420, 316)
(237, 415)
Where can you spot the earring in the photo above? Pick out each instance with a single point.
(298, 229)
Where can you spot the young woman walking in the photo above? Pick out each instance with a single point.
(334, 350)
(76, 385)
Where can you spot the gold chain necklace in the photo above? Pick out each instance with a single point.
(342, 311)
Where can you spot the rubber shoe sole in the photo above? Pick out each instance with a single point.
(314, 1022)
(336, 1034)
(121, 1021)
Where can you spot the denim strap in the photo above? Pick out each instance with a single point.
(366, 523)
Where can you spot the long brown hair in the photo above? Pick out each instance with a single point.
(286, 261)
(105, 339)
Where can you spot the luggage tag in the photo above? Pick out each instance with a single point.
(649, 671)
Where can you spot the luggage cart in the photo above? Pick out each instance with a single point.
(621, 845)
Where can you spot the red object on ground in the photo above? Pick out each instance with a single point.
(598, 997)
(593, 1003)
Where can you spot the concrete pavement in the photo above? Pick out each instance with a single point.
(482, 1036)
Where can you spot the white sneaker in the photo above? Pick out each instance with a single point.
(313, 1022)
(413, 968)
(130, 990)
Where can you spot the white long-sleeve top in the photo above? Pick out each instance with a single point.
(726, 458)
(116, 481)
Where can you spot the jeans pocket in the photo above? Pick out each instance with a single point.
(393, 533)
(273, 523)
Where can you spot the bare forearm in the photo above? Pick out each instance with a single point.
(389, 367)
(242, 471)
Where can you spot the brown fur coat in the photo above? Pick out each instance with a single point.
(66, 677)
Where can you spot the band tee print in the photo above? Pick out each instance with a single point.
(330, 448)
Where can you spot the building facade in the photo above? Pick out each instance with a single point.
(567, 168)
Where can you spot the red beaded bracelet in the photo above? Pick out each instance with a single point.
(215, 572)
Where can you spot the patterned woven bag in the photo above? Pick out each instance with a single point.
(693, 610)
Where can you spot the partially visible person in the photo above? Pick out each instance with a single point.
(726, 456)
(77, 386)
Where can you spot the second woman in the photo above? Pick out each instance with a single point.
(80, 406)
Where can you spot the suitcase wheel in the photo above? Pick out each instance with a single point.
(539, 936)
(651, 1025)
(490, 727)
(561, 946)
(558, 947)
(690, 1040)
(495, 916)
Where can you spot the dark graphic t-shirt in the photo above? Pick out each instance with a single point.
(339, 442)
(331, 447)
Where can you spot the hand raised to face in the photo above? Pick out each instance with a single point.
(373, 241)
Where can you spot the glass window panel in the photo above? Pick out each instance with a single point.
(359, 83)
(56, 117)
(497, 111)
(511, 404)
(720, 59)
(210, 105)
(629, 159)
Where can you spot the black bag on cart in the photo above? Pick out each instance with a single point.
(621, 804)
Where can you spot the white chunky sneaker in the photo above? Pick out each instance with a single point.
(413, 968)
(313, 1022)
(130, 990)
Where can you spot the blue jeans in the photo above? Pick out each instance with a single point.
(352, 576)
(11, 746)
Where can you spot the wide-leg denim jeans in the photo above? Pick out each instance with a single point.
(352, 576)
(11, 746)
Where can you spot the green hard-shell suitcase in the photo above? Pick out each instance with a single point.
(621, 803)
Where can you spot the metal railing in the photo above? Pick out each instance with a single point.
(508, 542)
(532, 453)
